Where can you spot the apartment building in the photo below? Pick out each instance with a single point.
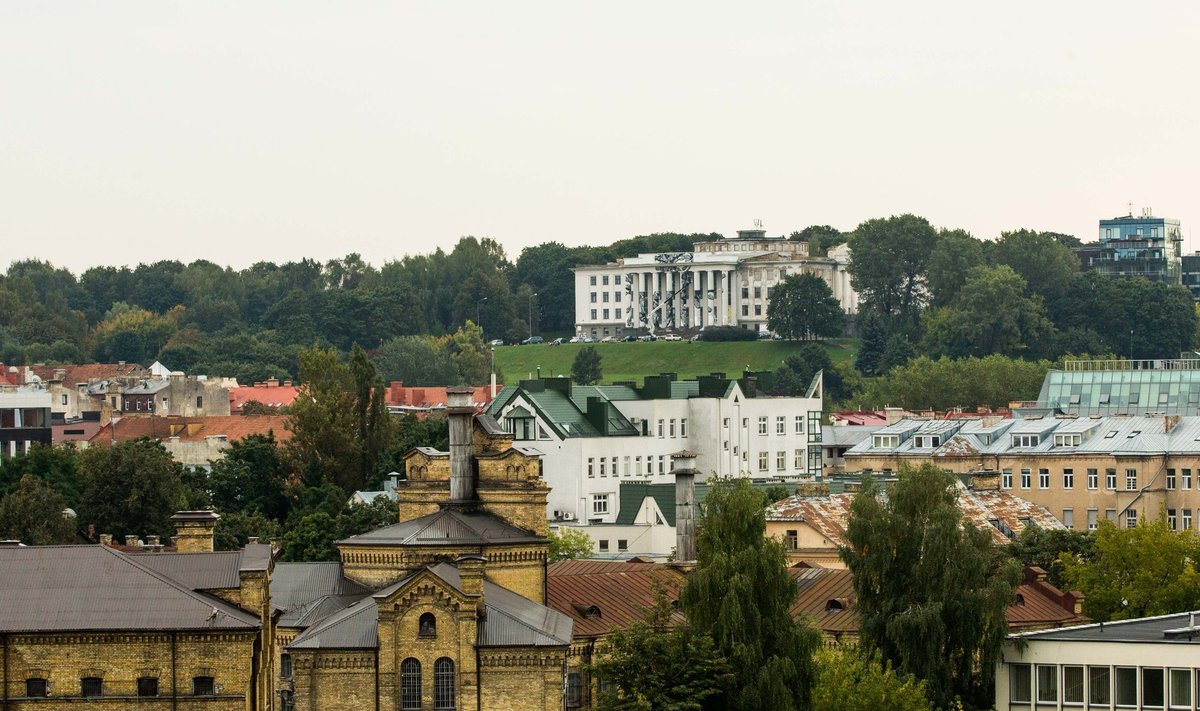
(24, 419)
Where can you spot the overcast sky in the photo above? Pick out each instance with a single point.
(243, 131)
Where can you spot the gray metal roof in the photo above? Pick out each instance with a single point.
(296, 585)
(147, 387)
(96, 588)
(1144, 629)
(510, 621)
(208, 571)
(446, 527)
(846, 435)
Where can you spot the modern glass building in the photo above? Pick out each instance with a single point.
(1144, 246)
(1123, 387)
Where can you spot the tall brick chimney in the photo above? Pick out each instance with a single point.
(460, 412)
(683, 468)
(194, 531)
(470, 574)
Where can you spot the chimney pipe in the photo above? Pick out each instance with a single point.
(194, 531)
(460, 413)
(683, 467)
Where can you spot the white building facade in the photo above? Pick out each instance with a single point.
(722, 283)
(593, 438)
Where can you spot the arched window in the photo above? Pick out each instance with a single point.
(37, 688)
(410, 684)
(443, 684)
(427, 625)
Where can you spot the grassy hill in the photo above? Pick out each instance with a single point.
(632, 361)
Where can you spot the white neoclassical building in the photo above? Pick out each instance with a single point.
(724, 282)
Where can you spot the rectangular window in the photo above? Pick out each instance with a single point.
(1092, 516)
(725, 422)
(1093, 479)
(672, 428)
(762, 425)
(593, 315)
(574, 690)
(91, 686)
(799, 424)
(1110, 479)
(606, 314)
(600, 504)
(603, 544)
(592, 280)
(1172, 520)
(1154, 693)
(1043, 478)
(1111, 515)
(637, 464)
(605, 297)
(1068, 518)
(758, 309)
(37, 688)
(604, 466)
(683, 427)
(1131, 518)
(617, 296)
(814, 458)
(792, 540)
(780, 425)
(1026, 478)
(745, 423)
(1126, 678)
(745, 292)
(199, 402)
(1006, 478)
(1185, 478)
(649, 464)
(1099, 686)
(1131, 480)
(1068, 478)
(628, 471)
(814, 426)
(662, 464)
(285, 665)
(799, 459)
(622, 544)
(1020, 683)
(660, 428)
(1170, 479)
(781, 460)
(1047, 684)
(594, 297)
(762, 461)
(1181, 688)
(591, 467)
(1185, 519)
(604, 280)
(203, 686)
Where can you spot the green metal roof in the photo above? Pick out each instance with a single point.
(632, 495)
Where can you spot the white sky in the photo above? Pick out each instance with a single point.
(242, 131)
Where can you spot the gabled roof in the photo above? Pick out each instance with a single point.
(208, 571)
(96, 588)
(510, 620)
(602, 595)
(193, 429)
(299, 588)
(446, 527)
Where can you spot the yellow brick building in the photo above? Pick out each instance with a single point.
(445, 609)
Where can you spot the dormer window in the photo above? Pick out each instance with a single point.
(928, 441)
(1025, 440)
(836, 604)
(885, 441)
(427, 625)
(1068, 440)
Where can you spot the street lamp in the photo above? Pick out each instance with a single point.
(477, 305)
(531, 298)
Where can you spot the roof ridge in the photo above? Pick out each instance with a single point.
(516, 619)
(176, 584)
(333, 621)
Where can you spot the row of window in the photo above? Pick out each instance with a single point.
(136, 403)
(622, 545)
(616, 296)
(93, 686)
(616, 279)
(1102, 686)
(444, 685)
(616, 313)
(1093, 479)
(632, 465)
(814, 424)
(813, 462)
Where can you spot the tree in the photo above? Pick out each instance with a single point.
(888, 258)
(135, 335)
(803, 306)
(251, 478)
(415, 361)
(873, 344)
(851, 680)
(651, 666)
(1046, 265)
(134, 488)
(323, 421)
(794, 377)
(56, 466)
(942, 384)
(471, 355)
(235, 529)
(899, 350)
(932, 589)
(35, 515)
(820, 238)
(990, 314)
(569, 543)
(955, 253)
(1044, 548)
(740, 595)
(373, 424)
(1137, 572)
(585, 370)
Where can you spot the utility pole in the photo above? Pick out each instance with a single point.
(531, 298)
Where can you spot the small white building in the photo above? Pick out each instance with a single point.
(1146, 663)
(724, 282)
(595, 438)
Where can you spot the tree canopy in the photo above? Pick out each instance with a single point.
(585, 370)
(803, 307)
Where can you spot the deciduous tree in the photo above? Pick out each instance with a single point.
(803, 307)
(585, 370)
(888, 259)
(569, 543)
(853, 680)
(34, 514)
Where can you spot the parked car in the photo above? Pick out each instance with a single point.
(765, 335)
(630, 339)
(496, 342)
(576, 339)
(533, 340)
(556, 342)
(671, 337)
(608, 339)
(648, 337)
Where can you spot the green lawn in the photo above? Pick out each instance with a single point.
(632, 361)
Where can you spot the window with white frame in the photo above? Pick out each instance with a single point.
(798, 460)
(762, 425)
(660, 428)
(1068, 518)
(814, 426)
(1110, 479)
(662, 464)
(671, 427)
(781, 460)
(1093, 478)
(683, 427)
(1131, 480)
(885, 441)
(1026, 478)
(600, 504)
(1131, 518)
(780, 425)
(1043, 478)
(1092, 519)
(799, 424)
(762, 461)
(1020, 683)
(1025, 440)
(1067, 440)
(1170, 479)
(1172, 519)
(1185, 478)
(1068, 478)
(591, 467)
(1185, 519)
(927, 441)
(1072, 685)
(1006, 480)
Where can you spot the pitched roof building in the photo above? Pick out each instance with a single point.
(192, 441)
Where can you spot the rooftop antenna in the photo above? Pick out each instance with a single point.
(757, 223)
(1147, 212)
(1131, 208)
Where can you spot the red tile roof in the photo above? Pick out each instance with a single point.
(193, 429)
(75, 374)
(827, 599)
(270, 393)
(432, 397)
(620, 592)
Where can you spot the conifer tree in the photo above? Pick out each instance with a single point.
(740, 595)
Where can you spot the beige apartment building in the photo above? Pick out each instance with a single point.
(1083, 469)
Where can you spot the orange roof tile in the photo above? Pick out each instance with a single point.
(74, 374)
(621, 593)
(269, 393)
(193, 429)
(432, 396)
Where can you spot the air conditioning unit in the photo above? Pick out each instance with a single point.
(568, 516)
(558, 514)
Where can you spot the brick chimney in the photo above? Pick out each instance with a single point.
(683, 468)
(461, 413)
(194, 531)
(470, 573)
